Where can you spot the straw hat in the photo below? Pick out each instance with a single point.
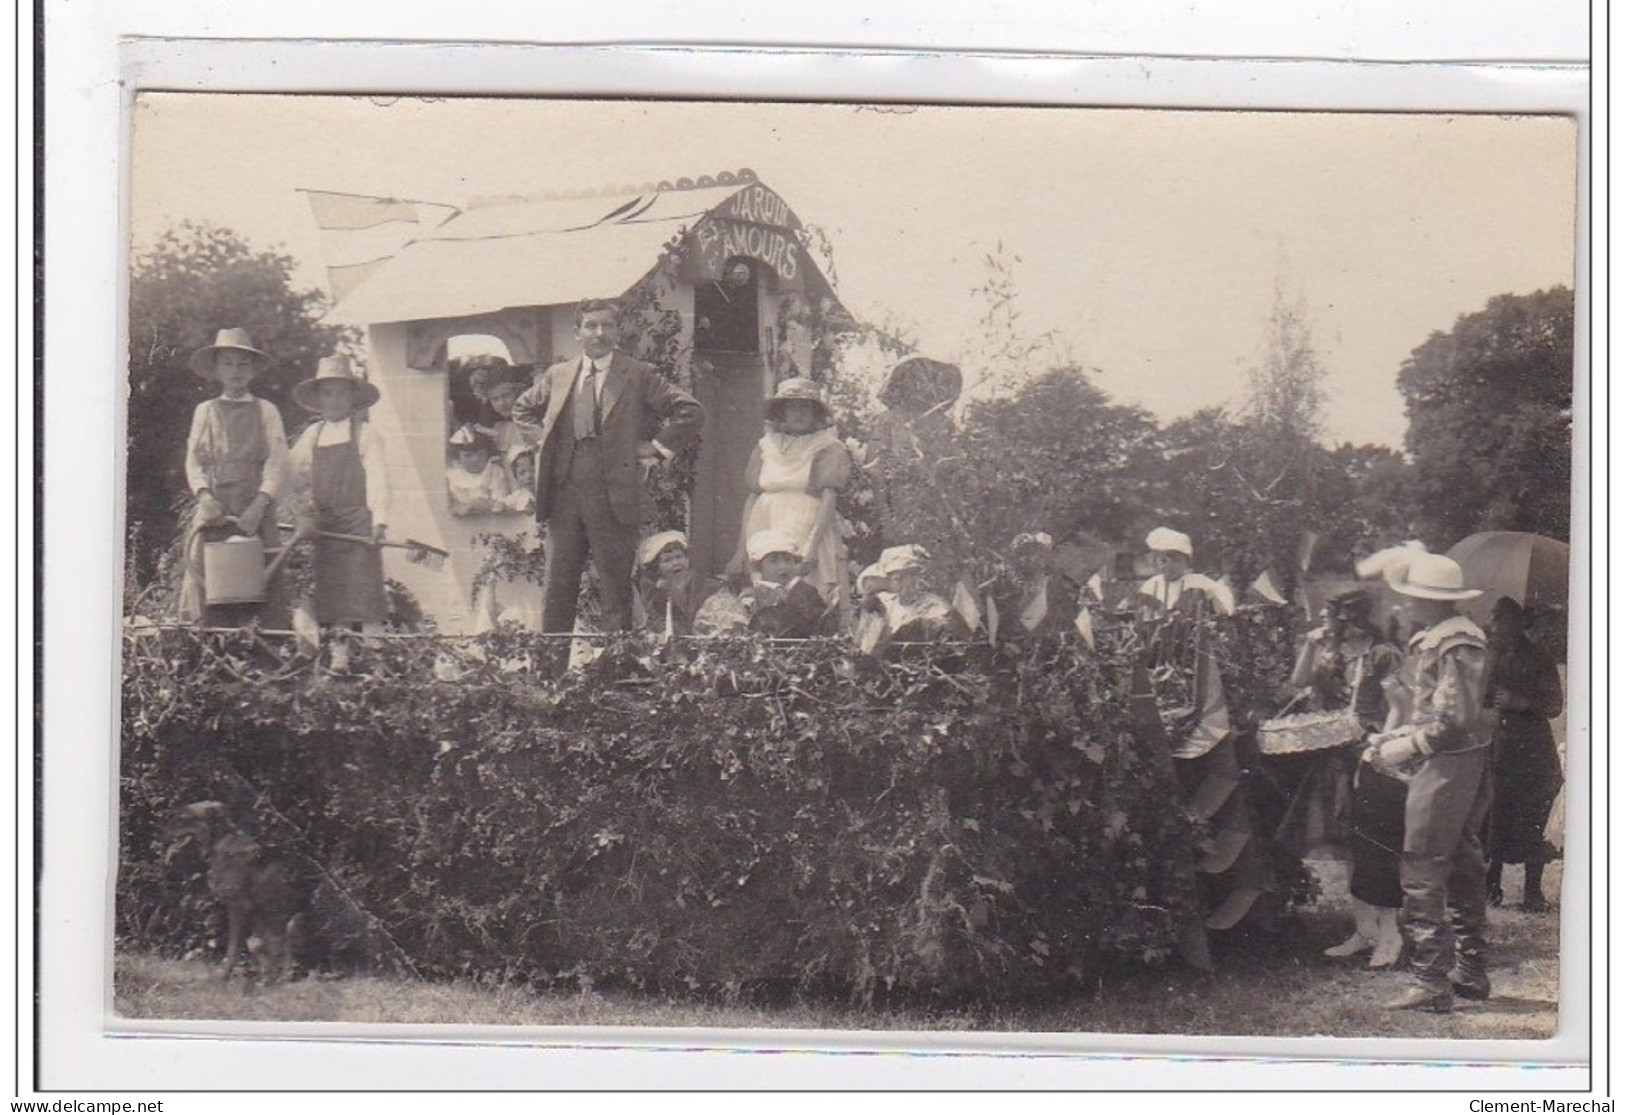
(1165, 541)
(202, 362)
(797, 389)
(765, 542)
(334, 369)
(1433, 577)
(656, 544)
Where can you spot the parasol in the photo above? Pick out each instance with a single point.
(1530, 568)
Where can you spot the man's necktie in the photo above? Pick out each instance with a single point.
(586, 404)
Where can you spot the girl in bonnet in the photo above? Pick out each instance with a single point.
(236, 464)
(476, 483)
(672, 592)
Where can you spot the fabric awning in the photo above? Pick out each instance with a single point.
(528, 253)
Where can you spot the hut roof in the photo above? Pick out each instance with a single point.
(518, 252)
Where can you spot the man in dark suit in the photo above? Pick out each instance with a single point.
(605, 419)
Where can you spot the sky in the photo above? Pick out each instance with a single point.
(1150, 242)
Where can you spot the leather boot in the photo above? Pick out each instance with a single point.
(1421, 997)
(1534, 902)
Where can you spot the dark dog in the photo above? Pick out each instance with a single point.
(261, 892)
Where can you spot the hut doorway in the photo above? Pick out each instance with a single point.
(730, 382)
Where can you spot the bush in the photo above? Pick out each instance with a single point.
(711, 816)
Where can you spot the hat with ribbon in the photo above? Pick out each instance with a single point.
(334, 369)
(1432, 577)
(467, 436)
(202, 362)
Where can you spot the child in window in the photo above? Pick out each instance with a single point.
(521, 464)
(475, 481)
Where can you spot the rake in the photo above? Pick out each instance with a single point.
(418, 553)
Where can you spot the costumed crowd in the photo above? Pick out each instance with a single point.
(1416, 745)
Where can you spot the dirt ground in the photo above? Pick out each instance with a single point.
(1277, 984)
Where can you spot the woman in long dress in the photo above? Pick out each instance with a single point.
(794, 476)
(1526, 693)
(1348, 663)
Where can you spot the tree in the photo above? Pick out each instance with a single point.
(1363, 503)
(1491, 414)
(1057, 455)
(1246, 485)
(194, 281)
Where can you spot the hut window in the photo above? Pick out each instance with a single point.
(487, 466)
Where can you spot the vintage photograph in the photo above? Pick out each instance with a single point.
(846, 567)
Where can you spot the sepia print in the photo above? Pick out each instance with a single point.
(826, 567)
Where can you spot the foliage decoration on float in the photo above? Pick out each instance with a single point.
(954, 821)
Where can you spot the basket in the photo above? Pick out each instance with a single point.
(1314, 731)
(1308, 731)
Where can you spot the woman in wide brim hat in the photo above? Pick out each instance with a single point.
(235, 339)
(798, 390)
(794, 477)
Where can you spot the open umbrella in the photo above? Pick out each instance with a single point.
(1530, 568)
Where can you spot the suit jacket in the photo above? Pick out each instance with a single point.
(636, 404)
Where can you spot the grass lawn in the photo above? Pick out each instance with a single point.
(1278, 985)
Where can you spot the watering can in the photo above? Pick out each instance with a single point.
(235, 570)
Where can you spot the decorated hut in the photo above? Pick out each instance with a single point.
(717, 282)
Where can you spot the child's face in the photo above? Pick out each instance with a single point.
(1032, 560)
(1171, 563)
(235, 369)
(335, 400)
(524, 469)
(672, 561)
(503, 398)
(472, 460)
(779, 567)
